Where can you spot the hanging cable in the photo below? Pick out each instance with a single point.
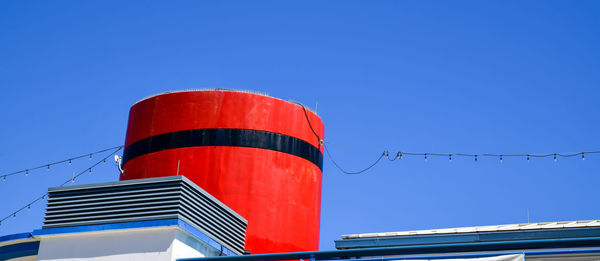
(398, 156)
(353, 172)
(71, 180)
(319, 140)
(47, 165)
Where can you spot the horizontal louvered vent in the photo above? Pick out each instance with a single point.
(146, 199)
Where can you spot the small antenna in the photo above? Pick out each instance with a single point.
(177, 167)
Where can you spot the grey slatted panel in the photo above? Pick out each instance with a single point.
(228, 217)
(133, 208)
(227, 230)
(114, 203)
(219, 231)
(209, 220)
(224, 243)
(124, 193)
(191, 187)
(219, 214)
(147, 204)
(111, 186)
(218, 234)
(124, 210)
(213, 200)
(107, 198)
(147, 199)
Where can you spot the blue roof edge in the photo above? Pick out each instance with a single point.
(429, 249)
(17, 236)
(462, 255)
(133, 225)
(18, 250)
(104, 227)
(390, 241)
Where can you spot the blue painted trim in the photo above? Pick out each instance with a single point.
(439, 256)
(103, 227)
(19, 250)
(139, 224)
(527, 253)
(563, 252)
(16, 237)
(466, 237)
(419, 249)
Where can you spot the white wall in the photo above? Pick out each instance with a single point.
(151, 244)
(186, 245)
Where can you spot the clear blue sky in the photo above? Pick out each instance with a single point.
(427, 76)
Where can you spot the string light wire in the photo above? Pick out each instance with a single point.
(451, 156)
(319, 140)
(72, 179)
(352, 172)
(523, 155)
(47, 165)
(399, 154)
(475, 155)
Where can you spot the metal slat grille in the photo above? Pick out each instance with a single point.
(146, 199)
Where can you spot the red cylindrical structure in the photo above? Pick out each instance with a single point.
(255, 153)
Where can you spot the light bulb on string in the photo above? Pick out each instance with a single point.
(528, 158)
(555, 159)
(400, 155)
(69, 162)
(90, 156)
(500, 158)
(26, 172)
(48, 167)
(28, 206)
(425, 156)
(582, 156)
(90, 170)
(450, 158)
(475, 158)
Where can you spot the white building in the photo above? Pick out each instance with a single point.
(171, 218)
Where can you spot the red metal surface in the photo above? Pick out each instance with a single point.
(278, 193)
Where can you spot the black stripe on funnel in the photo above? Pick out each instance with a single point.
(225, 137)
